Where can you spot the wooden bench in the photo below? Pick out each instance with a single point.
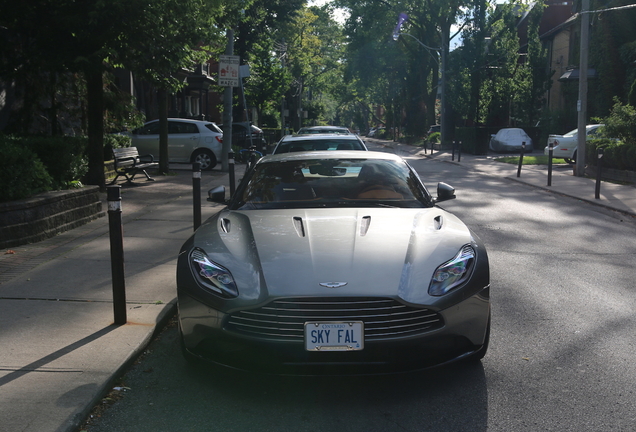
(128, 163)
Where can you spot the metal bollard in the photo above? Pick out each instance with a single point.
(453, 152)
(196, 194)
(459, 151)
(550, 154)
(230, 158)
(597, 191)
(113, 195)
(523, 149)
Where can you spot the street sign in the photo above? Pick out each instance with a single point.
(229, 70)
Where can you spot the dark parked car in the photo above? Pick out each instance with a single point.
(241, 137)
(333, 259)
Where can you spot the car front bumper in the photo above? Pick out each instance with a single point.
(206, 334)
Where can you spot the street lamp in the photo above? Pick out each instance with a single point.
(402, 18)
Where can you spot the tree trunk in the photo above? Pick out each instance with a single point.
(162, 97)
(95, 151)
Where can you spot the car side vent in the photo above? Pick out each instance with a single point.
(226, 225)
(439, 221)
(298, 224)
(364, 225)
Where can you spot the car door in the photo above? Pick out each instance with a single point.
(183, 138)
(146, 139)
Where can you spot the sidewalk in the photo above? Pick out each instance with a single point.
(60, 349)
(613, 196)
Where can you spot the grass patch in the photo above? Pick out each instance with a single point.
(530, 160)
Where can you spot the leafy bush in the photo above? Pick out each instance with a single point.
(63, 157)
(616, 154)
(435, 137)
(619, 144)
(22, 174)
(113, 141)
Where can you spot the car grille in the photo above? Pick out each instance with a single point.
(383, 318)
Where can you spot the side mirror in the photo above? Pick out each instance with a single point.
(217, 195)
(445, 192)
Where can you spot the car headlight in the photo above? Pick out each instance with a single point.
(211, 275)
(453, 273)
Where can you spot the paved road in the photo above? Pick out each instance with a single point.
(561, 356)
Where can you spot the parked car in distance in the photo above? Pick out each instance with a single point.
(434, 128)
(333, 261)
(510, 140)
(323, 130)
(311, 142)
(241, 137)
(564, 146)
(189, 141)
(375, 132)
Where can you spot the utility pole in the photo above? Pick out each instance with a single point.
(444, 54)
(582, 102)
(227, 110)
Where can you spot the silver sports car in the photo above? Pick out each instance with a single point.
(336, 260)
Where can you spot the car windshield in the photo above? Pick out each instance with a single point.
(331, 183)
(318, 144)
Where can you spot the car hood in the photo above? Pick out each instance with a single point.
(341, 251)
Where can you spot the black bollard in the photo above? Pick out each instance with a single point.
(230, 158)
(453, 152)
(597, 191)
(196, 194)
(550, 154)
(523, 149)
(459, 151)
(117, 253)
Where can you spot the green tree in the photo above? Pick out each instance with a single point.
(154, 38)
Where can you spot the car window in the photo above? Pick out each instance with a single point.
(148, 129)
(316, 145)
(331, 183)
(213, 127)
(175, 127)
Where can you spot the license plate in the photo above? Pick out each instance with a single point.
(334, 336)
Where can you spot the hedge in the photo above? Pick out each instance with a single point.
(22, 173)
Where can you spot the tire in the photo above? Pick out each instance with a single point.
(205, 158)
(571, 161)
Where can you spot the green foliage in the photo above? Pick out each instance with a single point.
(113, 141)
(621, 123)
(22, 174)
(435, 137)
(616, 154)
(63, 157)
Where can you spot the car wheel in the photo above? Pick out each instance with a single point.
(205, 158)
(481, 352)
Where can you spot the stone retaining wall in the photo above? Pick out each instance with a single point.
(612, 174)
(42, 216)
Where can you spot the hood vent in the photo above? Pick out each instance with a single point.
(439, 221)
(225, 225)
(298, 224)
(364, 225)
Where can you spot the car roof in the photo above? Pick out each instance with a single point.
(326, 154)
(185, 120)
(315, 137)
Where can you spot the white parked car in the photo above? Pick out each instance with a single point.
(510, 140)
(564, 146)
(189, 141)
